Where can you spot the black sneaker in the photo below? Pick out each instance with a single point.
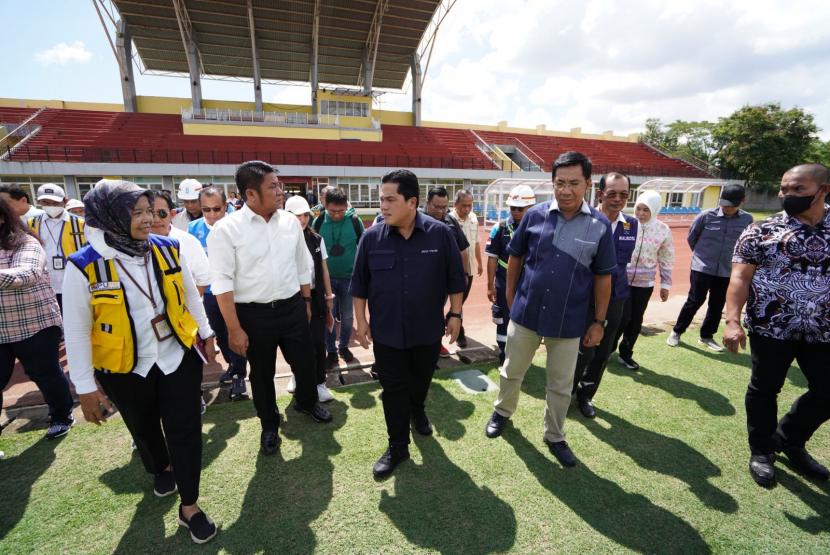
(346, 355)
(586, 407)
(164, 483)
(801, 460)
(421, 424)
(59, 428)
(628, 362)
(387, 462)
(202, 529)
(762, 469)
(226, 378)
(238, 389)
(331, 361)
(316, 412)
(495, 426)
(269, 442)
(562, 453)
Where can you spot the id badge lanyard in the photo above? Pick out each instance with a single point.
(161, 328)
(58, 262)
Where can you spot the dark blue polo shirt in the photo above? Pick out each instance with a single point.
(625, 236)
(406, 281)
(561, 258)
(496, 247)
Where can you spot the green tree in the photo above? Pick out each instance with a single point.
(693, 138)
(656, 135)
(820, 152)
(759, 143)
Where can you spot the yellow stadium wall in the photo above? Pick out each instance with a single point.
(389, 117)
(228, 130)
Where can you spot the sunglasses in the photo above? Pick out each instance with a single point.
(209, 209)
(162, 213)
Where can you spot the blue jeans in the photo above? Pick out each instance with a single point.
(342, 311)
(38, 355)
(236, 362)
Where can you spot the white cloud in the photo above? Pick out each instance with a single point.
(63, 54)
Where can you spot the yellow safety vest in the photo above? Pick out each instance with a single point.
(72, 235)
(113, 329)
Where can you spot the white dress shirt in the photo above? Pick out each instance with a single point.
(470, 229)
(50, 235)
(77, 322)
(192, 251)
(259, 261)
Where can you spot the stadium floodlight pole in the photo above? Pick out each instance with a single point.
(371, 49)
(255, 59)
(191, 51)
(314, 77)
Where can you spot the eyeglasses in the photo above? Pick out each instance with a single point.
(209, 209)
(161, 213)
(615, 194)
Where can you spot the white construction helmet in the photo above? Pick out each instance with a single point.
(189, 189)
(521, 196)
(297, 205)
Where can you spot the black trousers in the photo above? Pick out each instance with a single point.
(318, 338)
(701, 285)
(39, 357)
(501, 317)
(405, 375)
(238, 364)
(590, 366)
(632, 319)
(771, 359)
(463, 299)
(282, 325)
(164, 402)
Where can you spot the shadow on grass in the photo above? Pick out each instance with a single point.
(628, 519)
(17, 476)
(449, 412)
(148, 523)
(666, 455)
(285, 496)
(361, 396)
(711, 401)
(437, 506)
(818, 502)
(534, 382)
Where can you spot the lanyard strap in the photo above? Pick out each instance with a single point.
(149, 292)
(58, 245)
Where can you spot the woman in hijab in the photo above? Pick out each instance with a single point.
(135, 323)
(653, 252)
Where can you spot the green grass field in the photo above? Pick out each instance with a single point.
(662, 469)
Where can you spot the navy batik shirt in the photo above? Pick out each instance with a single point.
(496, 247)
(406, 281)
(625, 237)
(561, 258)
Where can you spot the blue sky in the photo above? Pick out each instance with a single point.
(595, 64)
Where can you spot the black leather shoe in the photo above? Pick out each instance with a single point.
(316, 412)
(586, 407)
(421, 424)
(269, 442)
(562, 453)
(762, 470)
(387, 462)
(495, 426)
(801, 460)
(346, 355)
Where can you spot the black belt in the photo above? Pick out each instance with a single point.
(273, 304)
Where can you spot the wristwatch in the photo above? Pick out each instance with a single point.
(453, 315)
(602, 323)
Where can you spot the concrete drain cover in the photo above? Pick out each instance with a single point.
(473, 381)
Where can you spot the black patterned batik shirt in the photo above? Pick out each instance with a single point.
(789, 298)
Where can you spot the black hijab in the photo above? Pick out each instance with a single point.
(109, 206)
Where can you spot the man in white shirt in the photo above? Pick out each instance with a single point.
(189, 195)
(60, 232)
(466, 218)
(261, 277)
(19, 201)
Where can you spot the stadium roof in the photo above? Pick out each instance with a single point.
(284, 36)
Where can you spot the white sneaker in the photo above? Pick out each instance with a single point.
(292, 385)
(323, 394)
(712, 344)
(673, 340)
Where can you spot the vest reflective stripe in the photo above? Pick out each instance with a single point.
(113, 334)
(72, 236)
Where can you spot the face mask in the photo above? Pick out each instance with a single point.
(53, 211)
(794, 205)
